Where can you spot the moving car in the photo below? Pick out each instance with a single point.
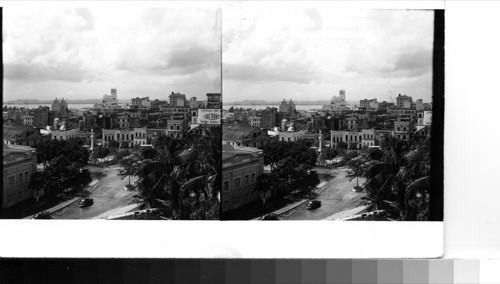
(86, 202)
(313, 204)
(269, 217)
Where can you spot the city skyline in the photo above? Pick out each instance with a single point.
(81, 53)
(311, 54)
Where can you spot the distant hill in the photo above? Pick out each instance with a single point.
(35, 101)
(264, 102)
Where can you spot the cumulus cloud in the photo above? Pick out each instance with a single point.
(37, 72)
(111, 46)
(248, 72)
(366, 52)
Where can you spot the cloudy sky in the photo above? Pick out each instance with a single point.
(311, 54)
(79, 53)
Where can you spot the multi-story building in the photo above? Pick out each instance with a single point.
(368, 103)
(368, 137)
(108, 103)
(25, 135)
(291, 136)
(177, 100)
(240, 169)
(424, 117)
(403, 126)
(176, 127)
(60, 106)
(214, 101)
(193, 103)
(354, 139)
(315, 124)
(288, 107)
(175, 110)
(244, 135)
(141, 102)
(123, 121)
(63, 134)
(41, 117)
(352, 121)
(401, 111)
(404, 101)
(338, 103)
(125, 137)
(140, 136)
(28, 119)
(255, 121)
(19, 163)
(268, 118)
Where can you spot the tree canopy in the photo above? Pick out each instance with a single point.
(397, 178)
(291, 162)
(180, 176)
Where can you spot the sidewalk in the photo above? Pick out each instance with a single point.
(347, 213)
(118, 211)
(67, 203)
(294, 205)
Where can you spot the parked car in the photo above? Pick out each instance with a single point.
(269, 217)
(86, 202)
(313, 204)
(42, 215)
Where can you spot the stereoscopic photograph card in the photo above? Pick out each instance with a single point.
(190, 125)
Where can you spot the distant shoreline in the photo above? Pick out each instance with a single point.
(260, 103)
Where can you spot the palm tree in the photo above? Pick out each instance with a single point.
(389, 176)
(200, 172)
(183, 175)
(356, 169)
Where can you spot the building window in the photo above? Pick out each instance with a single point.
(247, 177)
(252, 177)
(226, 185)
(11, 181)
(237, 183)
(20, 178)
(26, 176)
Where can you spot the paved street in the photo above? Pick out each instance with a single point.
(108, 195)
(336, 196)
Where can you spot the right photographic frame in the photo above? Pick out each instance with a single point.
(334, 115)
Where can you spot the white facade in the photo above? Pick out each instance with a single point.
(63, 134)
(290, 136)
(255, 121)
(28, 120)
(140, 136)
(141, 102)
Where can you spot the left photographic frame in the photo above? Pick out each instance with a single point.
(111, 112)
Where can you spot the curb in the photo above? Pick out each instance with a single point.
(299, 203)
(293, 207)
(78, 198)
(69, 203)
(93, 186)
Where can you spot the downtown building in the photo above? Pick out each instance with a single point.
(244, 135)
(241, 167)
(60, 107)
(19, 164)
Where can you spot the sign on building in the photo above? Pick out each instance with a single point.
(427, 117)
(209, 116)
